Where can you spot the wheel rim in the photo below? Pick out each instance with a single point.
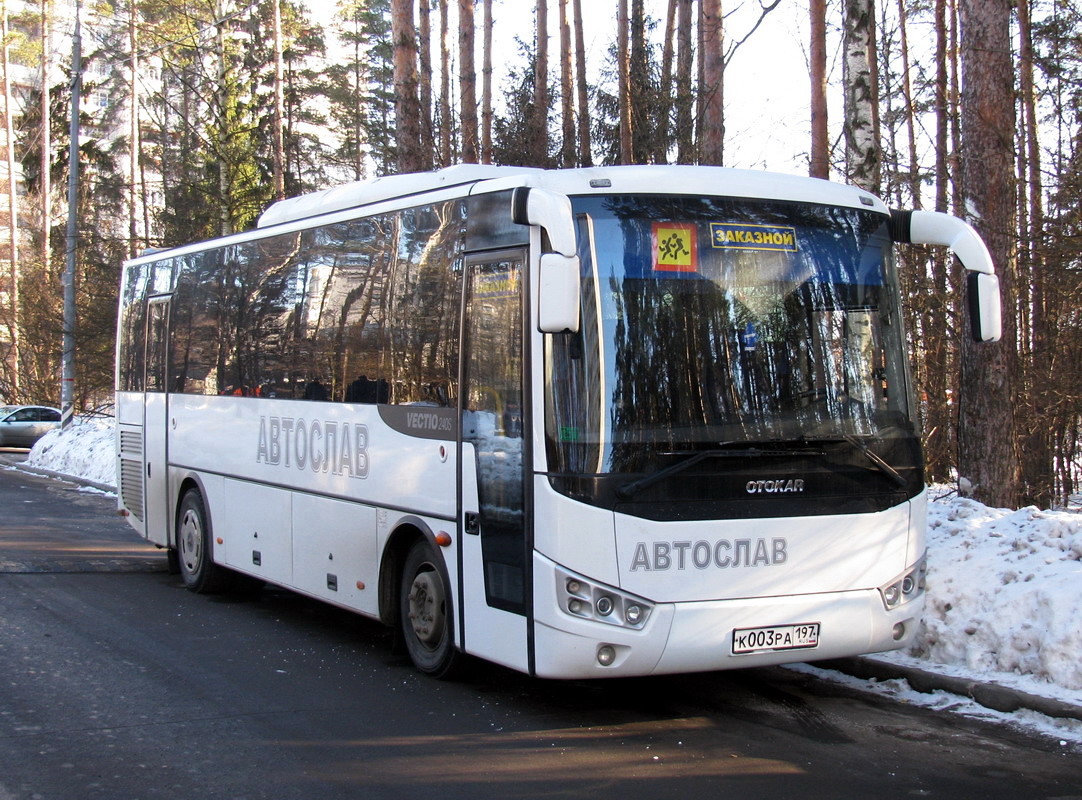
(426, 606)
(191, 541)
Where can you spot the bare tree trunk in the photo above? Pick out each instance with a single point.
(278, 135)
(958, 184)
(910, 111)
(13, 388)
(665, 90)
(467, 81)
(46, 138)
(359, 78)
(424, 82)
(1037, 466)
(684, 122)
(988, 455)
(639, 90)
(862, 144)
(225, 223)
(712, 89)
(938, 432)
(486, 88)
(585, 154)
(407, 103)
(567, 102)
(135, 173)
(624, 83)
(540, 128)
(699, 83)
(445, 86)
(819, 160)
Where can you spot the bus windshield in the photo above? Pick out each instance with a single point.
(714, 324)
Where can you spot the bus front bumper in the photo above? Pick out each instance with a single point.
(698, 637)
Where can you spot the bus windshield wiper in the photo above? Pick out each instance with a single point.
(629, 490)
(880, 463)
(896, 477)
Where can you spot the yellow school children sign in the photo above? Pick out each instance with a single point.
(676, 247)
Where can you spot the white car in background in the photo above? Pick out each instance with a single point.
(21, 426)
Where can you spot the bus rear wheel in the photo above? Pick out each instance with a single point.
(197, 568)
(424, 612)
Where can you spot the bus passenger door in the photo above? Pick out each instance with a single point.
(495, 552)
(155, 421)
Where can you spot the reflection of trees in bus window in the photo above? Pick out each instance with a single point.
(133, 329)
(421, 354)
(195, 335)
(377, 297)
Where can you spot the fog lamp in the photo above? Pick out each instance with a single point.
(890, 594)
(606, 654)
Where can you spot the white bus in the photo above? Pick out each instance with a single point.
(581, 423)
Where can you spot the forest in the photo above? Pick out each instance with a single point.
(195, 115)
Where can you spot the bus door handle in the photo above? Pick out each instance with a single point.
(472, 523)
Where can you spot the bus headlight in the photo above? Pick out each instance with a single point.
(907, 586)
(586, 600)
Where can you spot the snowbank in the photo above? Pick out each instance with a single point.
(85, 450)
(1004, 587)
(1004, 596)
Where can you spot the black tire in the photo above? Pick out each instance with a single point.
(197, 568)
(424, 613)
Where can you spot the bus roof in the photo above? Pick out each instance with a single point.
(374, 190)
(651, 179)
(648, 179)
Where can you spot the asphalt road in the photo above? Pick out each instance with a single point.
(115, 682)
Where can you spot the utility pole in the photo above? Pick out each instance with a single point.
(67, 385)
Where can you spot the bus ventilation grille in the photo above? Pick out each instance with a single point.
(131, 472)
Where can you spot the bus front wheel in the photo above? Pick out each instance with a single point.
(424, 612)
(197, 568)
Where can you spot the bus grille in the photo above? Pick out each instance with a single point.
(131, 472)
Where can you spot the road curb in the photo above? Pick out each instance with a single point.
(989, 695)
(63, 476)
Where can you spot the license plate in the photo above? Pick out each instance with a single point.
(776, 637)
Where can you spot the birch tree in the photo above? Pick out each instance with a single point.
(861, 98)
(486, 86)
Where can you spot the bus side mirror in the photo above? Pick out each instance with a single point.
(558, 294)
(551, 211)
(982, 285)
(985, 311)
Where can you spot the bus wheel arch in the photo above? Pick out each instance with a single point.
(194, 544)
(416, 598)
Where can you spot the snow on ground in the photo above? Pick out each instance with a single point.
(1004, 601)
(1005, 593)
(86, 450)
